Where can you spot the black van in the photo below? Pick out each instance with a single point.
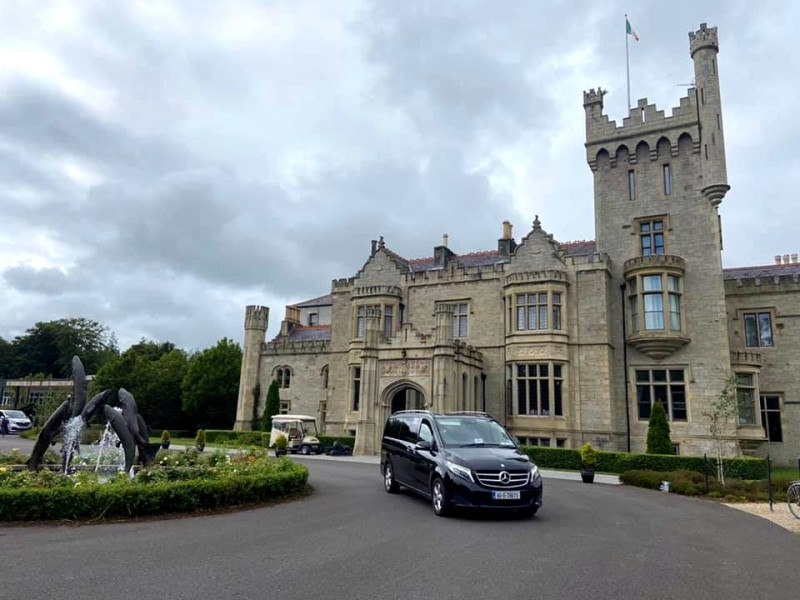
(458, 459)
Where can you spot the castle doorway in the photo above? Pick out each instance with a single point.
(406, 398)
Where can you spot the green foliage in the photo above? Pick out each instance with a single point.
(254, 422)
(211, 385)
(165, 437)
(692, 483)
(153, 372)
(658, 441)
(48, 347)
(327, 440)
(178, 483)
(273, 406)
(722, 419)
(619, 462)
(200, 438)
(588, 456)
(230, 437)
(280, 442)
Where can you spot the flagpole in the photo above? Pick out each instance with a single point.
(627, 64)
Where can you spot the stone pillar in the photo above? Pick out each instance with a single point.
(369, 429)
(444, 373)
(256, 319)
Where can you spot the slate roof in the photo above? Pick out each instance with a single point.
(325, 300)
(763, 271)
(485, 258)
(304, 333)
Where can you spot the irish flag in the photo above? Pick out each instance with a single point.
(629, 30)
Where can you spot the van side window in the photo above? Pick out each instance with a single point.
(392, 428)
(409, 429)
(425, 433)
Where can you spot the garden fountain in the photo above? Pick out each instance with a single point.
(72, 416)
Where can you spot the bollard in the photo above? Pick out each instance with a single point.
(769, 482)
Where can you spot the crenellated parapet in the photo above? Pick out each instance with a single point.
(283, 346)
(256, 317)
(545, 275)
(705, 37)
(378, 290)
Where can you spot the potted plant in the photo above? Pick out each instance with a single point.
(280, 445)
(588, 462)
(165, 439)
(200, 440)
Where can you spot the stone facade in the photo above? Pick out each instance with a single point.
(573, 342)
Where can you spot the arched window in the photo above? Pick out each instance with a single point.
(325, 377)
(283, 375)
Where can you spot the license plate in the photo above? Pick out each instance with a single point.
(505, 495)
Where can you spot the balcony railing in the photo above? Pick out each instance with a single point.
(666, 261)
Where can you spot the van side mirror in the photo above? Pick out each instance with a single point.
(423, 445)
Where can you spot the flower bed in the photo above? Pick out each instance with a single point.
(179, 482)
(692, 483)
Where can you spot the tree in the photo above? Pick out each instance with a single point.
(7, 369)
(273, 406)
(153, 372)
(48, 347)
(722, 418)
(658, 441)
(211, 385)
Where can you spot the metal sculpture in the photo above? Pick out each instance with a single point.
(74, 414)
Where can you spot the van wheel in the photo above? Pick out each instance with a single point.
(440, 498)
(389, 482)
(305, 450)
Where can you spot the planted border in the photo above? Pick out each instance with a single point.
(619, 462)
(125, 499)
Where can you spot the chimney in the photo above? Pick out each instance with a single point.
(442, 254)
(794, 258)
(786, 259)
(374, 247)
(777, 259)
(506, 244)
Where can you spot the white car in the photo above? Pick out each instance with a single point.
(17, 420)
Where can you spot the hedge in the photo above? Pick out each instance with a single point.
(125, 500)
(619, 462)
(692, 483)
(218, 436)
(327, 440)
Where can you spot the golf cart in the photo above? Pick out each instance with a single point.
(300, 432)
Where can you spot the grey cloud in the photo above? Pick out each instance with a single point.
(48, 281)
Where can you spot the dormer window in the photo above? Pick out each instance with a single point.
(313, 319)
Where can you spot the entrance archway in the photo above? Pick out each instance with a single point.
(406, 397)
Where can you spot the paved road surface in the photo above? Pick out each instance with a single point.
(352, 540)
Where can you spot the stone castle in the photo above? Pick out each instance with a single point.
(564, 342)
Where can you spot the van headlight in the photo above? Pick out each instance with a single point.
(460, 471)
(534, 473)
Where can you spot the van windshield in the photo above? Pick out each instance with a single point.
(463, 432)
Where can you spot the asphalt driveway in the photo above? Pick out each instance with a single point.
(352, 540)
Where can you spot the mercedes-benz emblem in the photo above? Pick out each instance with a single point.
(504, 477)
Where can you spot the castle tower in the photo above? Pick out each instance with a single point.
(371, 416)
(444, 373)
(256, 319)
(657, 183)
(704, 46)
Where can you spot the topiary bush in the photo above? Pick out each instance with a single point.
(200, 439)
(588, 457)
(658, 441)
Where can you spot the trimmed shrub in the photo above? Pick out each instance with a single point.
(245, 479)
(658, 441)
(272, 407)
(619, 462)
(165, 437)
(588, 457)
(692, 483)
(327, 440)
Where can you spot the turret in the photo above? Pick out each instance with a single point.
(704, 46)
(256, 319)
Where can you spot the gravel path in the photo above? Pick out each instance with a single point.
(780, 515)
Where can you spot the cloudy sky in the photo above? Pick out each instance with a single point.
(164, 164)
